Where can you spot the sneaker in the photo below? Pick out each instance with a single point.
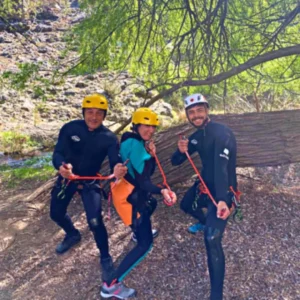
(107, 269)
(117, 290)
(69, 241)
(196, 227)
(154, 234)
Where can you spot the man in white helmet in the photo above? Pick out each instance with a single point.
(216, 146)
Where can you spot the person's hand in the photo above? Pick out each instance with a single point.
(183, 145)
(151, 147)
(222, 210)
(170, 197)
(120, 171)
(65, 170)
(173, 197)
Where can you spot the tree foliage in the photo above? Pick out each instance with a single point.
(166, 42)
(226, 47)
(8, 7)
(238, 49)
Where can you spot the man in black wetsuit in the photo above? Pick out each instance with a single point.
(216, 146)
(81, 148)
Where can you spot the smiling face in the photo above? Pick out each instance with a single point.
(146, 131)
(197, 114)
(93, 117)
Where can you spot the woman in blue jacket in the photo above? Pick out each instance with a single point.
(132, 196)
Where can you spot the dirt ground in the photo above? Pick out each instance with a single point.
(262, 251)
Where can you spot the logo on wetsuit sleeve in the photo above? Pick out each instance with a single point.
(75, 138)
(225, 154)
(194, 142)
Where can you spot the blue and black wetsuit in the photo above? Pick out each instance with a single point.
(86, 151)
(216, 146)
(140, 168)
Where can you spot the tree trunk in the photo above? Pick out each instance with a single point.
(256, 101)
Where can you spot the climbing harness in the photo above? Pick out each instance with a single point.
(62, 193)
(197, 198)
(236, 206)
(203, 187)
(74, 177)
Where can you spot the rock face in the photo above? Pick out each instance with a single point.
(42, 28)
(42, 114)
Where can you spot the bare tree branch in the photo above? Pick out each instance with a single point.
(287, 51)
(289, 18)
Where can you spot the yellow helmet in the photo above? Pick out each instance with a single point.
(146, 116)
(95, 101)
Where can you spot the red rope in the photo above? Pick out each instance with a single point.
(165, 183)
(97, 177)
(205, 189)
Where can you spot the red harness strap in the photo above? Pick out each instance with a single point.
(203, 186)
(165, 183)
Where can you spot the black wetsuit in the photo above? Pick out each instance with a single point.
(216, 146)
(142, 203)
(86, 151)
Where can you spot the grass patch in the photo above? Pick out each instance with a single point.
(33, 169)
(39, 161)
(15, 142)
(12, 177)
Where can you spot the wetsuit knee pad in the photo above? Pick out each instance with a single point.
(216, 261)
(95, 223)
(151, 205)
(152, 202)
(213, 238)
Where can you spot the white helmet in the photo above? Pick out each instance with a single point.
(194, 99)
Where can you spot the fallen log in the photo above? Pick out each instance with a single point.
(41, 190)
(263, 139)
